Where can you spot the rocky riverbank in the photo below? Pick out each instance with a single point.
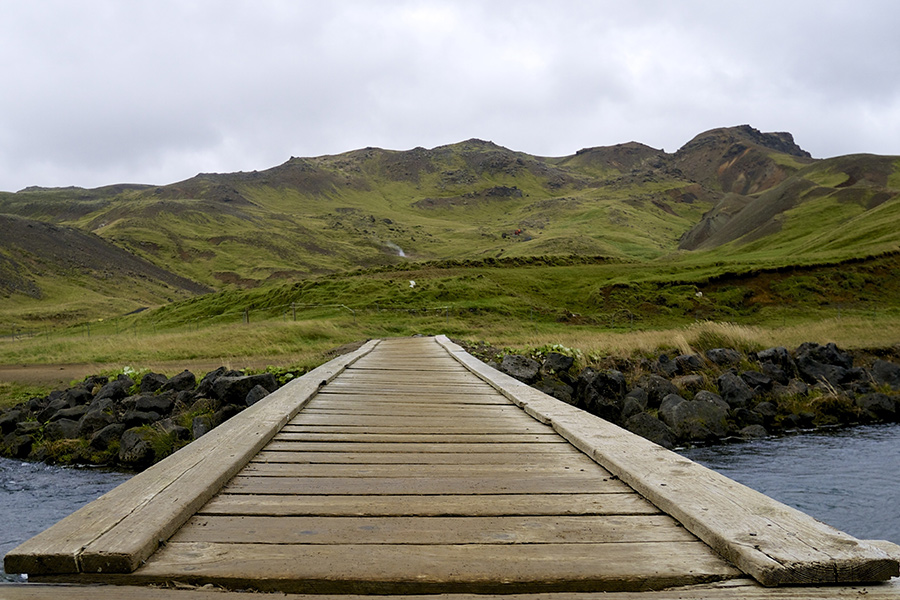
(721, 393)
(131, 421)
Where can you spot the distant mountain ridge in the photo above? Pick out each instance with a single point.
(729, 190)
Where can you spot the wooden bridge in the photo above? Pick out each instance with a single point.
(409, 467)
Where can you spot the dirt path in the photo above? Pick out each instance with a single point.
(62, 375)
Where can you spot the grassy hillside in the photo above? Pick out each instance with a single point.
(736, 225)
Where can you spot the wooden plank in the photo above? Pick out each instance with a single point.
(734, 589)
(560, 448)
(391, 486)
(435, 437)
(283, 469)
(606, 529)
(365, 420)
(499, 412)
(483, 428)
(435, 568)
(123, 527)
(418, 397)
(616, 503)
(421, 458)
(772, 542)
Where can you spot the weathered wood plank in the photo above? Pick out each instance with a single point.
(436, 568)
(421, 458)
(561, 448)
(402, 438)
(734, 589)
(555, 529)
(123, 527)
(617, 503)
(284, 469)
(774, 543)
(390, 486)
(484, 427)
(442, 398)
(409, 421)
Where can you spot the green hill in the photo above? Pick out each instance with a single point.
(732, 199)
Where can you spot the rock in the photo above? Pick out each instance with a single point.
(136, 418)
(9, 421)
(886, 373)
(753, 432)
(779, 358)
(690, 383)
(630, 408)
(639, 395)
(226, 412)
(695, 420)
(775, 372)
(63, 429)
(151, 382)
(181, 382)
(556, 388)
(117, 389)
(760, 382)
(723, 356)
(94, 381)
(256, 394)
(234, 390)
(826, 364)
(793, 389)
(657, 388)
(606, 408)
(78, 396)
(93, 422)
(652, 429)
(743, 416)
(734, 390)
(201, 425)
(158, 404)
(880, 407)
(689, 363)
(767, 411)
(555, 362)
(102, 439)
(136, 449)
(170, 427)
(665, 366)
(73, 414)
(521, 367)
(18, 446)
(51, 409)
(27, 427)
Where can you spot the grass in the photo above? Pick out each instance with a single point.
(12, 393)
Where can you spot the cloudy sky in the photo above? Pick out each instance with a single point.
(94, 92)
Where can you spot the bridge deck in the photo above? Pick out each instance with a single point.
(409, 474)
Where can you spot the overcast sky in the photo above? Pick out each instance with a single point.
(96, 92)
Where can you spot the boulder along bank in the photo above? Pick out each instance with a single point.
(133, 421)
(721, 394)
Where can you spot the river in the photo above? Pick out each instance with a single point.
(847, 478)
(34, 496)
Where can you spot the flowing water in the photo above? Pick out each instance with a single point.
(34, 496)
(849, 478)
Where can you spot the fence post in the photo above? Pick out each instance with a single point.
(247, 316)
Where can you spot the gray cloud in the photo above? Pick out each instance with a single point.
(103, 91)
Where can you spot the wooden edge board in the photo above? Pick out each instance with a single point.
(122, 528)
(735, 589)
(768, 540)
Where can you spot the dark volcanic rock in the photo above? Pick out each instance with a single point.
(9, 420)
(256, 394)
(78, 396)
(73, 413)
(63, 429)
(555, 362)
(695, 420)
(886, 373)
(828, 364)
(657, 388)
(556, 388)
(651, 428)
(234, 390)
(183, 381)
(158, 404)
(880, 407)
(93, 422)
(734, 390)
(136, 418)
(135, 448)
(18, 446)
(521, 367)
(152, 382)
(106, 436)
(723, 356)
(117, 389)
